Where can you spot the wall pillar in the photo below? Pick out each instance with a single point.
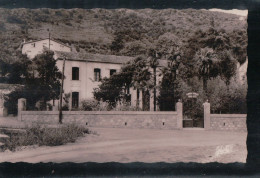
(151, 101)
(179, 109)
(141, 99)
(206, 115)
(55, 107)
(1, 106)
(21, 107)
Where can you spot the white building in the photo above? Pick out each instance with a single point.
(32, 48)
(84, 71)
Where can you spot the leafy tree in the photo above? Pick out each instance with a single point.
(153, 61)
(168, 95)
(19, 70)
(135, 74)
(111, 89)
(230, 99)
(42, 80)
(117, 44)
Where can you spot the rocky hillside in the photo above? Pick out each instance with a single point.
(101, 30)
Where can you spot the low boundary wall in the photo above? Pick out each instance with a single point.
(228, 122)
(117, 119)
(114, 119)
(224, 122)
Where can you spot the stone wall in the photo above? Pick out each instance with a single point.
(228, 122)
(113, 119)
(223, 122)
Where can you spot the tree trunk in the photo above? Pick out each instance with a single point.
(146, 100)
(137, 98)
(253, 95)
(205, 86)
(154, 90)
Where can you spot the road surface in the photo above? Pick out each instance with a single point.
(140, 145)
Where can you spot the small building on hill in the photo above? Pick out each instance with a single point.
(33, 48)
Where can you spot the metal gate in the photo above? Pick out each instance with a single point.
(193, 112)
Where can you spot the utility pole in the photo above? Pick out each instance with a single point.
(154, 89)
(49, 41)
(61, 91)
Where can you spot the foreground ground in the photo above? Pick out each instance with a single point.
(140, 145)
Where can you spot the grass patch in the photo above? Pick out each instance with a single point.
(42, 135)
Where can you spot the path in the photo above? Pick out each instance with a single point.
(141, 145)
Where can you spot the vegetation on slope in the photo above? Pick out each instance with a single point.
(95, 30)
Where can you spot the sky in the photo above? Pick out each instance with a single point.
(233, 11)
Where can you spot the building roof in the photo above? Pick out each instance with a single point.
(28, 42)
(100, 58)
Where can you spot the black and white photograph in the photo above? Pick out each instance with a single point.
(124, 85)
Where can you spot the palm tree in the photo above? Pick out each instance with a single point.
(206, 65)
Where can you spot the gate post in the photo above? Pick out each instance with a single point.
(206, 115)
(21, 107)
(179, 114)
(3, 109)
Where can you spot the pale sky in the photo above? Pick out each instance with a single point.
(233, 11)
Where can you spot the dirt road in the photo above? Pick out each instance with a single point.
(141, 145)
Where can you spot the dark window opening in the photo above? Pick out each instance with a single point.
(75, 73)
(128, 98)
(97, 75)
(75, 99)
(112, 71)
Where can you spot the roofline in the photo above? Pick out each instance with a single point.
(46, 39)
(87, 60)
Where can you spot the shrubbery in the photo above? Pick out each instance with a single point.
(125, 106)
(94, 105)
(38, 135)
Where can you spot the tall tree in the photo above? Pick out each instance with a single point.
(206, 65)
(135, 74)
(42, 80)
(153, 60)
(167, 97)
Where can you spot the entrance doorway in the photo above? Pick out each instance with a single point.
(193, 112)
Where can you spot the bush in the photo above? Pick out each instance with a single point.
(126, 106)
(94, 105)
(38, 135)
(89, 105)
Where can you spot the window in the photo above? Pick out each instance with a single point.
(97, 75)
(75, 73)
(112, 71)
(75, 99)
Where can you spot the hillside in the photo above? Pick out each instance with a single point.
(94, 30)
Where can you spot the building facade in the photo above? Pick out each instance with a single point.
(83, 71)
